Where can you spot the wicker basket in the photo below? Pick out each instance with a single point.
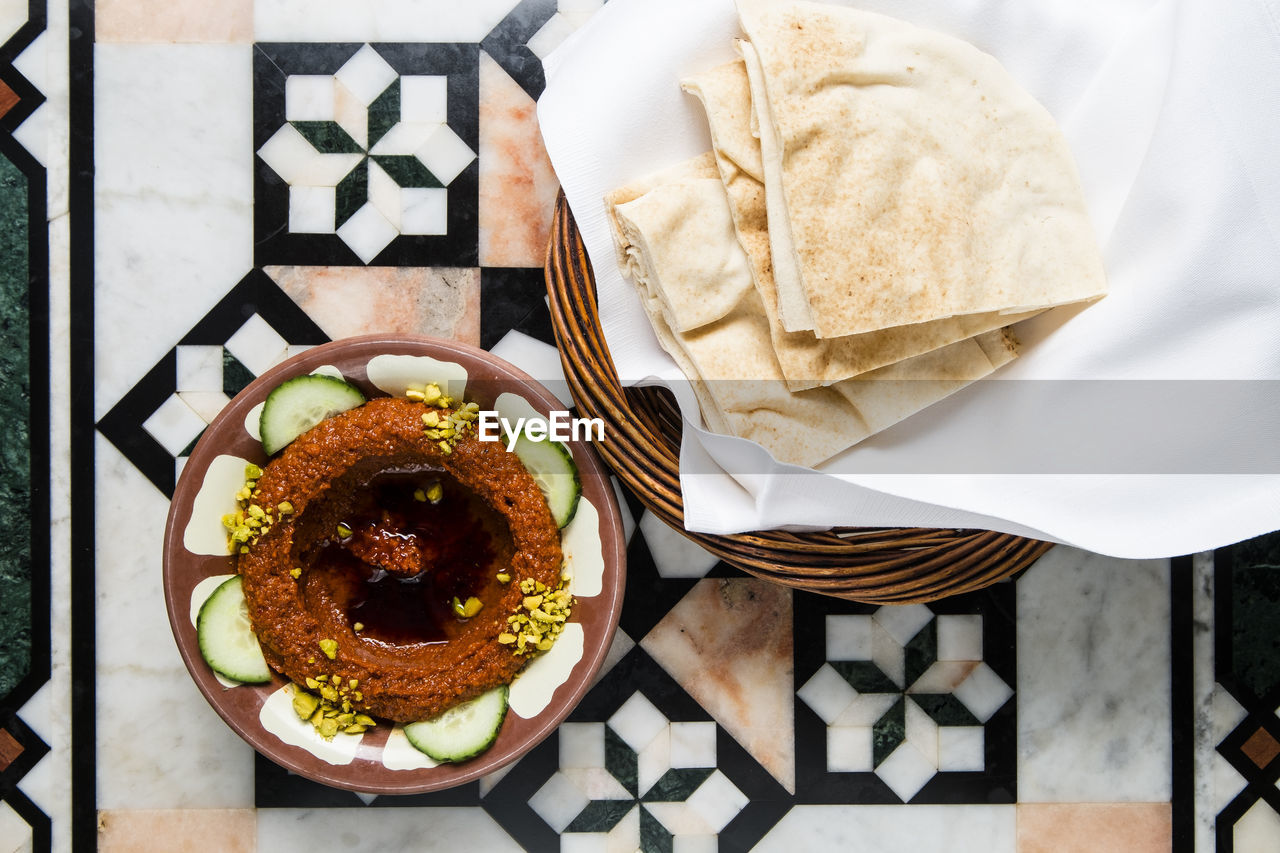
(642, 446)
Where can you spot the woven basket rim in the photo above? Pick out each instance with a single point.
(641, 446)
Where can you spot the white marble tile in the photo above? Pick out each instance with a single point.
(445, 154)
(959, 637)
(934, 829)
(367, 232)
(558, 801)
(366, 74)
(538, 359)
(827, 694)
(922, 732)
(675, 555)
(903, 622)
(1093, 679)
(693, 744)
(15, 833)
(637, 722)
(199, 368)
(312, 210)
(618, 649)
(906, 771)
(717, 801)
(377, 20)
(160, 744)
(849, 749)
(961, 748)
(888, 654)
(983, 692)
(351, 114)
(207, 404)
(625, 837)
(596, 783)
(695, 844)
(424, 99)
(257, 345)
(653, 761)
(424, 210)
(358, 831)
(848, 637)
(943, 676)
(13, 14)
(1258, 829)
(173, 198)
(309, 97)
(404, 137)
(384, 194)
(551, 35)
(866, 709)
(33, 133)
(299, 164)
(581, 745)
(174, 425)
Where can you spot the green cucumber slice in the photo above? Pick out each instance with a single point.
(464, 731)
(227, 641)
(297, 405)
(551, 465)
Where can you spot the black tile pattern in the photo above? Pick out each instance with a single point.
(513, 298)
(1246, 612)
(507, 43)
(995, 783)
(274, 243)
(255, 294)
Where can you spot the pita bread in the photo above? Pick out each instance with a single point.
(806, 361)
(662, 226)
(908, 177)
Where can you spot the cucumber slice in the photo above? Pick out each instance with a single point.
(551, 465)
(464, 731)
(297, 405)
(227, 641)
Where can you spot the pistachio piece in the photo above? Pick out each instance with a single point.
(330, 648)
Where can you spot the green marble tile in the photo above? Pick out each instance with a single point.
(677, 784)
(864, 676)
(621, 761)
(407, 171)
(352, 193)
(384, 113)
(654, 837)
(327, 137)
(235, 376)
(600, 815)
(921, 652)
(888, 732)
(945, 709)
(15, 423)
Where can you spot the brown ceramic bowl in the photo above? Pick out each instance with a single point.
(240, 705)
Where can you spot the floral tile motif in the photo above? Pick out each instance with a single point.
(366, 154)
(906, 704)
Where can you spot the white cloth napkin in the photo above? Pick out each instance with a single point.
(1172, 108)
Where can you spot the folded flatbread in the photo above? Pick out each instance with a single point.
(675, 237)
(806, 361)
(908, 178)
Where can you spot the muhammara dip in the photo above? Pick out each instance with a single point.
(355, 583)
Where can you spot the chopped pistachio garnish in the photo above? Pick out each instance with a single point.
(540, 618)
(250, 521)
(420, 496)
(504, 578)
(330, 712)
(359, 626)
(295, 572)
(284, 508)
(435, 492)
(467, 609)
(343, 531)
(330, 648)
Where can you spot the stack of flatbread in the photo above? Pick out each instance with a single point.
(880, 203)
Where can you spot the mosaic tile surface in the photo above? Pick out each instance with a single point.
(247, 178)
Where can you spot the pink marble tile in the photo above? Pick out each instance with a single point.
(728, 643)
(1094, 828)
(177, 831)
(344, 301)
(217, 21)
(517, 186)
